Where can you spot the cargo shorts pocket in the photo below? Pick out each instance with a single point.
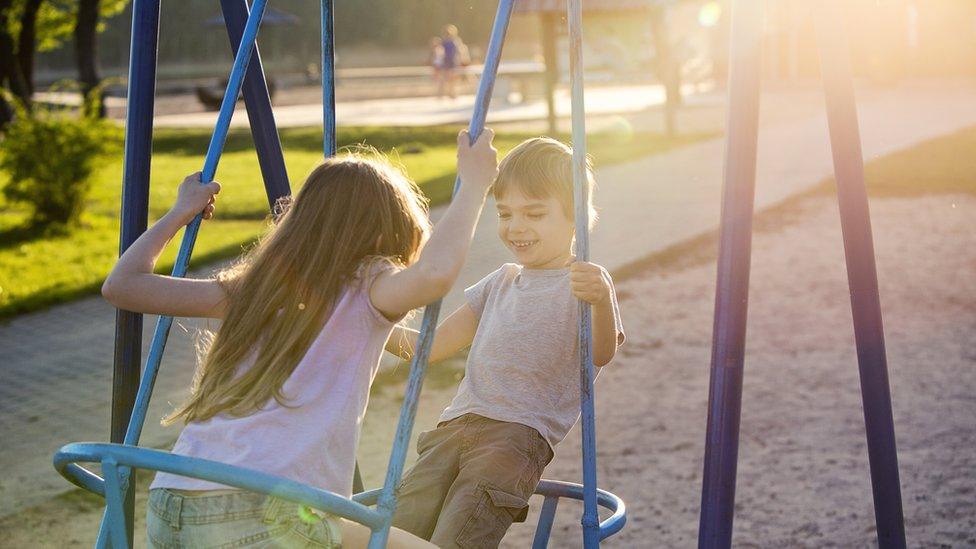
(494, 514)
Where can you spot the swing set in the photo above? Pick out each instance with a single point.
(374, 508)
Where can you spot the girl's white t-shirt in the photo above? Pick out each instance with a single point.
(313, 438)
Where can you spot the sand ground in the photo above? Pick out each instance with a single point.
(803, 476)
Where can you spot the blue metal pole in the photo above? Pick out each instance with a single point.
(386, 502)
(543, 530)
(328, 80)
(135, 210)
(214, 150)
(591, 517)
(329, 128)
(732, 284)
(264, 131)
(861, 273)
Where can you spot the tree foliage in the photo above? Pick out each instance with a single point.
(48, 156)
(56, 20)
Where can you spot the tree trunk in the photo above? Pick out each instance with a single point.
(26, 42)
(86, 34)
(10, 75)
(549, 22)
(668, 70)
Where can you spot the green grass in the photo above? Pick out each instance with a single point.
(41, 270)
(944, 165)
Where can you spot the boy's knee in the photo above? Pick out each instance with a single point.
(486, 499)
(484, 515)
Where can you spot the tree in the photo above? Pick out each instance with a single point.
(31, 26)
(86, 51)
(11, 76)
(26, 41)
(88, 23)
(667, 66)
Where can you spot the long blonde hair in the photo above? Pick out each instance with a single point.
(351, 210)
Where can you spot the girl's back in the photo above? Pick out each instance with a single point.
(312, 437)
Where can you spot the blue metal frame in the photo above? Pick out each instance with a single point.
(732, 286)
(328, 79)
(329, 142)
(260, 116)
(114, 457)
(118, 460)
(591, 519)
(732, 291)
(135, 209)
(855, 217)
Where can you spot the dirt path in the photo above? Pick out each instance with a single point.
(803, 477)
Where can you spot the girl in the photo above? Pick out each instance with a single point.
(306, 313)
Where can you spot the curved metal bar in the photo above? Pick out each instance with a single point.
(83, 478)
(609, 526)
(221, 473)
(369, 497)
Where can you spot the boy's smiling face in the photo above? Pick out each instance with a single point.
(536, 230)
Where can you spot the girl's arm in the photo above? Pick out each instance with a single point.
(132, 285)
(431, 277)
(591, 283)
(455, 333)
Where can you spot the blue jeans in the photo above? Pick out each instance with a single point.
(235, 519)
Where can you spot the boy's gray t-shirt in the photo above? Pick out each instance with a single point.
(523, 366)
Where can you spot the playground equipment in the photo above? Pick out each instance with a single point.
(732, 287)
(372, 508)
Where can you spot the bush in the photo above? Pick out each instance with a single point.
(49, 155)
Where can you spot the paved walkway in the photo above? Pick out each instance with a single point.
(56, 364)
(426, 111)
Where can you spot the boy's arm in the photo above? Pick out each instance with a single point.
(605, 337)
(591, 283)
(455, 333)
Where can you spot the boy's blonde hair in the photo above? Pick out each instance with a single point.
(542, 167)
(351, 211)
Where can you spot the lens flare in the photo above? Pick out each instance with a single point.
(307, 515)
(620, 128)
(709, 14)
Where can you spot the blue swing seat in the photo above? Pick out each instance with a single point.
(358, 509)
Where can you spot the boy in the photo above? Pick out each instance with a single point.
(520, 394)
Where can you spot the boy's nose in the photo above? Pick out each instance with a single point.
(516, 226)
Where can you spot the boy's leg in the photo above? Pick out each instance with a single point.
(422, 490)
(501, 464)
